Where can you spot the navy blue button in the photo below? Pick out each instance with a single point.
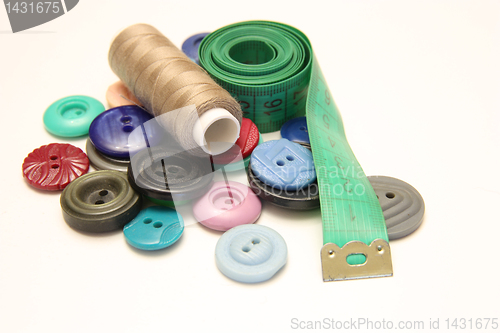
(283, 164)
(154, 228)
(191, 45)
(295, 130)
(110, 132)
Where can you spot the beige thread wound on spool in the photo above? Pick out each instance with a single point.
(164, 79)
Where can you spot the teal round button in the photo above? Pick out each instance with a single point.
(71, 116)
(154, 228)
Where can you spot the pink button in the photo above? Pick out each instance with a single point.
(118, 95)
(227, 205)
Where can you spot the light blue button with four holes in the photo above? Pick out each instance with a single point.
(283, 164)
(154, 228)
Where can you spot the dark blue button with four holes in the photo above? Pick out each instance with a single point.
(111, 131)
(295, 130)
(154, 228)
(283, 164)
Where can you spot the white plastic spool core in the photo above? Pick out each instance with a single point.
(216, 131)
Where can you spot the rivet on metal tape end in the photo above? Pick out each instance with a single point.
(378, 261)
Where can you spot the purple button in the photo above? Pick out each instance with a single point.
(227, 205)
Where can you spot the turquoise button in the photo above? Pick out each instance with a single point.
(71, 116)
(154, 228)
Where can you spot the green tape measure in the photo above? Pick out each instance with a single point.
(271, 70)
(266, 66)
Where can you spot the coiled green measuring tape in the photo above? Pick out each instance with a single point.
(271, 70)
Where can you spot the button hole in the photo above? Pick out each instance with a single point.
(99, 202)
(103, 193)
(126, 119)
(390, 195)
(280, 163)
(147, 220)
(55, 166)
(157, 224)
(245, 249)
(128, 128)
(53, 157)
(255, 241)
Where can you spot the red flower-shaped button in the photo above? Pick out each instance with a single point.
(243, 147)
(54, 166)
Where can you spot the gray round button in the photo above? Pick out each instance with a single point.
(401, 203)
(102, 162)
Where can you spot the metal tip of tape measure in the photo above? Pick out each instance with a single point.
(378, 261)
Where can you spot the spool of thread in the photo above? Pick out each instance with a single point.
(179, 93)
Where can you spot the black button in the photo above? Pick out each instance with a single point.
(163, 174)
(305, 198)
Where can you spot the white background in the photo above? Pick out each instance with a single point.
(417, 84)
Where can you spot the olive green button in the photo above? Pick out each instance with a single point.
(71, 116)
(100, 201)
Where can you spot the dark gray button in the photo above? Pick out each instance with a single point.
(102, 162)
(100, 201)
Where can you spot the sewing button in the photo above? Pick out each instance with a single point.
(283, 164)
(250, 253)
(100, 201)
(112, 132)
(154, 228)
(242, 149)
(296, 130)
(191, 45)
(102, 162)
(227, 205)
(238, 164)
(401, 203)
(71, 116)
(54, 166)
(249, 137)
(167, 203)
(118, 94)
(305, 198)
(170, 176)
